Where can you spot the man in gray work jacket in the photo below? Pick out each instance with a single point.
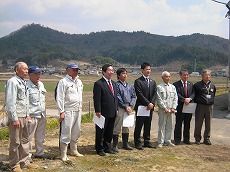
(17, 111)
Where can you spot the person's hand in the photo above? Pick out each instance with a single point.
(28, 118)
(187, 101)
(128, 110)
(98, 114)
(166, 110)
(173, 110)
(62, 116)
(150, 106)
(16, 124)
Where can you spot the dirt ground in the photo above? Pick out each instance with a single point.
(181, 158)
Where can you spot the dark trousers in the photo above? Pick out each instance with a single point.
(104, 136)
(203, 113)
(140, 122)
(180, 119)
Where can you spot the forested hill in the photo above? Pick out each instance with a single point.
(38, 44)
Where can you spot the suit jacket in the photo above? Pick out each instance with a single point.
(104, 100)
(141, 89)
(181, 94)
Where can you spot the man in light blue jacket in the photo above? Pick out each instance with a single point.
(17, 110)
(37, 112)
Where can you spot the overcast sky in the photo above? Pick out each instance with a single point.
(162, 17)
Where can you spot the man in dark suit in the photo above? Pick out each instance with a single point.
(105, 104)
(145, 89)
(185, 94)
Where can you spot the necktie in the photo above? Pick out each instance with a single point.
(167, 91)
(185, 90)
(147, 80)
(111, 87)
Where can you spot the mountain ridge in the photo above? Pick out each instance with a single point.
(38, 44)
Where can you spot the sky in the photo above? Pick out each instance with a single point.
(161, 17)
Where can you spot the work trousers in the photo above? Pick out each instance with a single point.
(165, 127)
(119, 122)
(203, 113)
(37, 129)
(70, 127)
(19, 143)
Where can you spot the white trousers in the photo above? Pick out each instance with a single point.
(165, 127)
(70, 127)
(37, 129)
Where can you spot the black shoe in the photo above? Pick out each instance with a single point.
(127, 147)
(115, 149)
(109, 151)
(149, 145)
(176, 143)
(187, 142)
(197, 142)
(139, 147)
(207, 142)
(101, 153)
(44, 156)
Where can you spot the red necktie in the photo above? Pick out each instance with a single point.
(185, 89)
(111, 87)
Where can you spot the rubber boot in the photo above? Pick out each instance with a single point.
(115, 143)
(63, 151)
(125, 138)
(73, 149)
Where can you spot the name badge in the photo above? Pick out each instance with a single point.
(208, 96)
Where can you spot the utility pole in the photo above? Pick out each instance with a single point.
(227, 16)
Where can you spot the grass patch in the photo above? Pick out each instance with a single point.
(4, 133)
(87, 118)
(52, 123)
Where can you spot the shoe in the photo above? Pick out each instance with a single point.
(207, 142)
(149, 145)
(139, 147)
(43, 156)
(30, 159)
(101, 153)
(159, 145)
(77, 154)
(115, 149)
(176, 143)
(31, 166)
(197, 142)
(170, 144)
(110, 151)
(187, 142)
(17, 169)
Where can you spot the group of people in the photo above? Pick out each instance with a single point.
(25, 106)
(115, 100)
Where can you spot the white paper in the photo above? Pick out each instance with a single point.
(190, 108)
(100, 122)
(142, 111)
(128, 120)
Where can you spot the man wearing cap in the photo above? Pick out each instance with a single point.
(16, 98)
(69, 102)
(37, 112)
